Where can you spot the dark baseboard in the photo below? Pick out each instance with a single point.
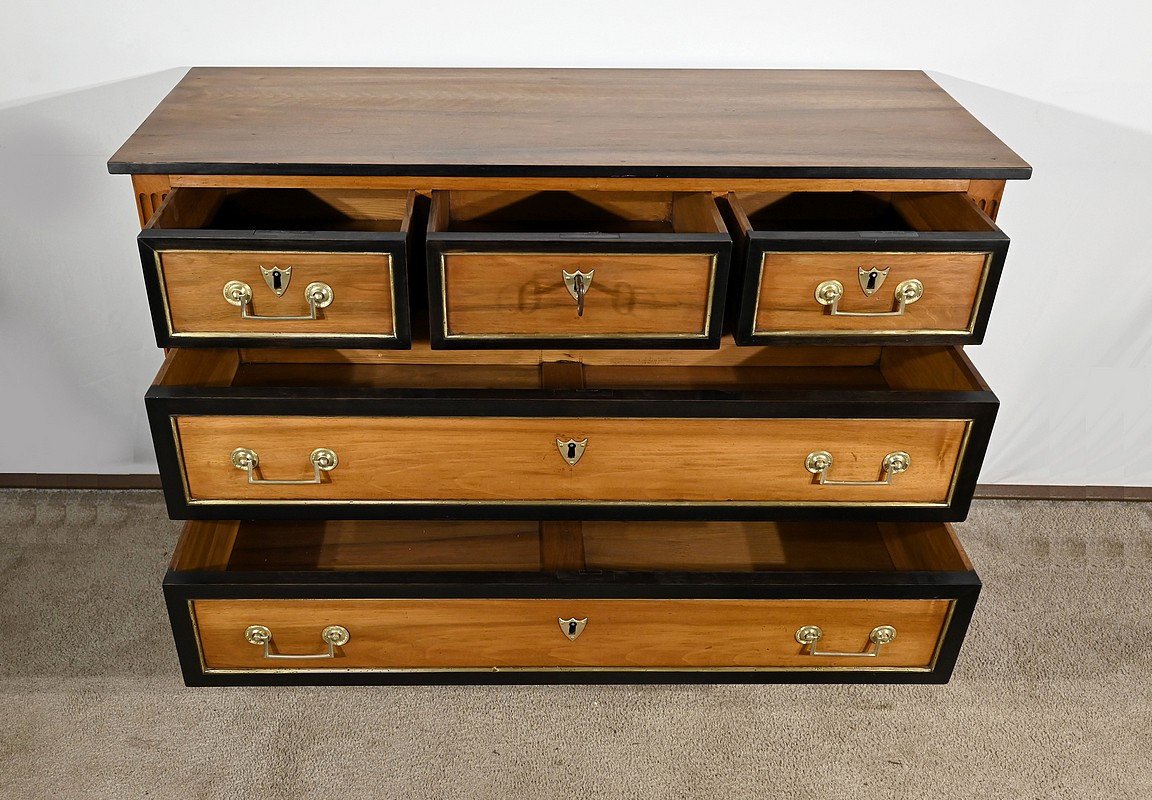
(993, 491)
(18, 480)
(984, 491)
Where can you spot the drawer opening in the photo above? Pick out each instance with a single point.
(334, 546)
(898, 369)
(555, 212)
(866, 212)
(296, 210)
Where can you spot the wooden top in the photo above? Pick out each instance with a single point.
(565, 123)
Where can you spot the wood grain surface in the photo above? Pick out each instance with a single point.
(486, 634)
(729, 355)
(528, 546)
(565, 123)
(788, 283)
(627, 460)
(523, 294)
(361, 292)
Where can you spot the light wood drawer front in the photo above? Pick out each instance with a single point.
(362, 302)
(524, 295)
(468, 634)
(787, 292)
(500, 460)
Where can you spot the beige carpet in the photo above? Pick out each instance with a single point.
(1052, 697)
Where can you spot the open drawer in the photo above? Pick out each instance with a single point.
(588, 269)
(528, 602)
(892, 433)
(282, 267)
(865, 267)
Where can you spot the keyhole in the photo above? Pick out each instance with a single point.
(572, 628)
(571, 450)
(276, 285)
(872, 280)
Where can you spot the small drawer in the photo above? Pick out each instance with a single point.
(901, 433)
(453, 601)
(865, 268)
(587, 269)
(282, 267)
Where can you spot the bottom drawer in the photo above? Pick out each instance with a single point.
(576, 633)
(409, 602)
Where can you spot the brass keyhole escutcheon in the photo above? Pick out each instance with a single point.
(572, 450)
(578, 283)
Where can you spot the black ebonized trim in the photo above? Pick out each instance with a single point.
(397, 244)
(165, 402)
(440, 243)
(757, 243)
(181, 587)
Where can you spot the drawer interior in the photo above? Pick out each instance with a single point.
(371, 210)
(334, 546)
(595, 212)
(859, 211)
(899, 369)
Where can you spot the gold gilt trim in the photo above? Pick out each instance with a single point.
(270, 334)
(976, 303)
(956, 469)
(714, 263)
(206, 670)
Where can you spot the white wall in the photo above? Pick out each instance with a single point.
(1067, 84)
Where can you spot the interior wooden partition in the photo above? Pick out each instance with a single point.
(151, 189)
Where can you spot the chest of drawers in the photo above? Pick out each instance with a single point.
(551, 376)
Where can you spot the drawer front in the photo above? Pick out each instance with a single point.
(567, 634)
(362, 299)
(571, 461)
(950, 287)
(526, 296)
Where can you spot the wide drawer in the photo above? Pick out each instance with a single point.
(865, 267)
(900, 434)
(549, 602)
(283, 267)
(589, 269)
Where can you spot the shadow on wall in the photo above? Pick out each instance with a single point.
(1069, 347)
(78, 350)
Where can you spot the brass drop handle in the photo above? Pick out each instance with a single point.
(809, 635)
(578, 283)
(829, 294)
(820, 461)
(319, 295)
(334, 636)
(322, 460)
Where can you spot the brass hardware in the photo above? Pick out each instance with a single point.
(449, 334)
(830, 293)
(819, 462)
(277, 279)
(319, 295)
(767, 504)
(881, 635)
(322, 460)
(572, 627)
(238, 293)
(571, 450)
(872, 279)
(334, 636)
(578, 283)
(178, 336)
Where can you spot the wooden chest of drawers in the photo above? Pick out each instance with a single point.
(636, 376)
